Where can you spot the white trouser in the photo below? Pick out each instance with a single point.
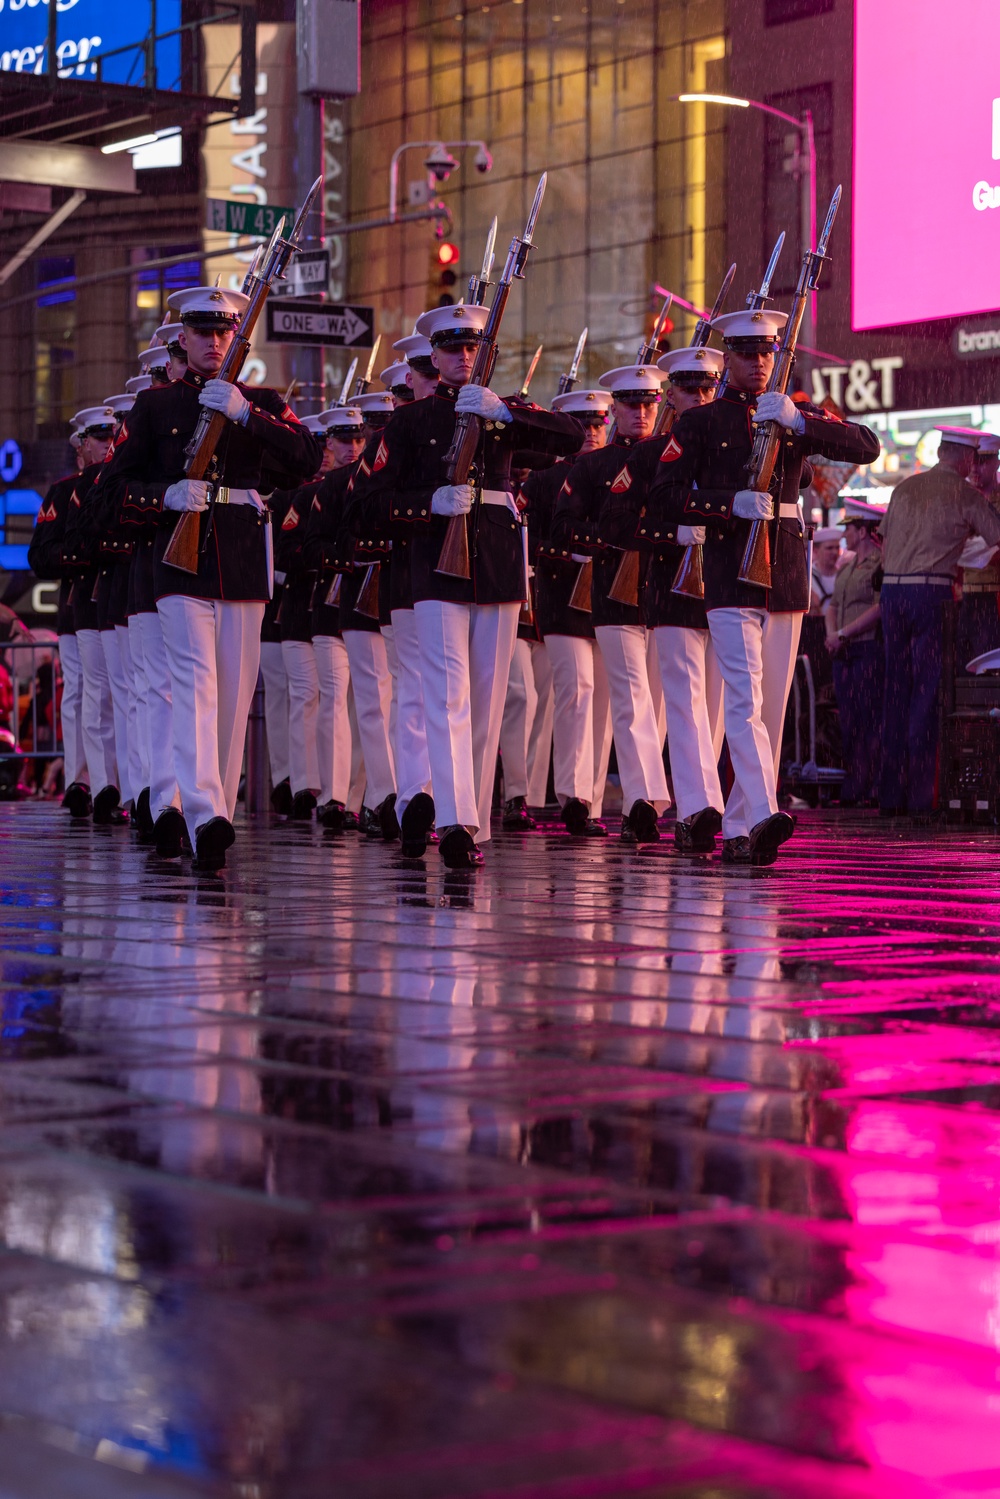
(97, 715)
(356, 790)
(692, 693)
(118, 682)
(392, 662)
(465, 654)
(372, 701)
(139, 700)
(333, 724)
(581, 729)
(638, 746)
(135, 737)
(737, 635)
(213, 651)
(272, 666)
(656, 686)
(163, 792)
(71, 712)
(779, 652)
(303, 711)
(413, 768)
(526, 727)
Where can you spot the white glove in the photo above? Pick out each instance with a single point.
(452, 499)
(187, 494)
(220, 395)
(753, 504)
(772, 406)
(690, 536)
(482, 401)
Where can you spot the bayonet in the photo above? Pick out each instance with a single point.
(478, 284)
(567, 381)
(819, 254)
(756, 299)
(532, 367)
(365, 380)
(348, 378)
(303, 213)
(647, 351)
(529, 228)
(703, 328)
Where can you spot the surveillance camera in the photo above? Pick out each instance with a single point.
(483, 160)
(440, 164)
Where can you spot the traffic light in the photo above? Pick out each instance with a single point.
(443, 275)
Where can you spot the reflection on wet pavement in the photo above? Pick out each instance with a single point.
(592, 1174)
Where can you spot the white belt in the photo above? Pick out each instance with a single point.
(944, 580)
(228, 496)
(500, 497)
(788, 512)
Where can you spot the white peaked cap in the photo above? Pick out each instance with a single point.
(206, 300)
(692, 361)
(155, 357)
(94, 416)
(341, 416)
(633, 377)
(463, 318)
(138, 383)
(414, 345)
(120, 404)
(375, 400)
(762, 323)
(583, 401)
(989, 442)
(395, 375)
(966, 437)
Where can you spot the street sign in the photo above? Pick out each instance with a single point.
(334, 325)
(308, 274)
(256, 219)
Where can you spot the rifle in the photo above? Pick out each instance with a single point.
(454, 559)
(625, 585)
(567, 381)
(532, 367)
(756, 565)
(184, 549)
(689, 578)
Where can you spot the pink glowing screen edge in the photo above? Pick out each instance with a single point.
(926, 153)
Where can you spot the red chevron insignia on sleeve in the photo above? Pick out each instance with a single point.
(291, 520)
(622, 482)
(671, 452)
(316, 504)
(381, 457)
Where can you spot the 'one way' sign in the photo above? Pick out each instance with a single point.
(336, 326)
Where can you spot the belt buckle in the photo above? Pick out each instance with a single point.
(222, 495)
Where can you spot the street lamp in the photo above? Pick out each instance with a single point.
(805, 169)
(439, 163)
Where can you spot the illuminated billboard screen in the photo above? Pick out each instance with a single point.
(926, 160)
(86, 31)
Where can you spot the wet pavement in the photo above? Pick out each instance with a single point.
(592, 1174)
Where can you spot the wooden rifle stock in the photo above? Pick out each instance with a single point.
(625, 588)
(184, 547)
(582, 597)
(333, 593)
(366, 603)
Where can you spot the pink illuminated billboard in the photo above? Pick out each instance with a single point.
(926, 160)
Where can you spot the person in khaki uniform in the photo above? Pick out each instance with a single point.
(978, 628)
(853, 639)
(929, 520)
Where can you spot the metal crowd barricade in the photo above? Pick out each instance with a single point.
(32, 716)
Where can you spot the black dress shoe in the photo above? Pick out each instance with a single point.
(368, 823)
(516, 817)
(458, 850)
(143, 816)
(170, 832)
(387, 819)
(351, 823)
(643, 819)
(697, 834)
(766, 837)
(418, 819)
(210, 844)
(281, 798)
(331, 816)
(736, 850)
(579, 823)
(106, 805)
(628, 832)
(77, 800)
(303, 806)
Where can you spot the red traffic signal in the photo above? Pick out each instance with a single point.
(447, 254)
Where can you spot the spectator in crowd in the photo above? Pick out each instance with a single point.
(854, 640)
